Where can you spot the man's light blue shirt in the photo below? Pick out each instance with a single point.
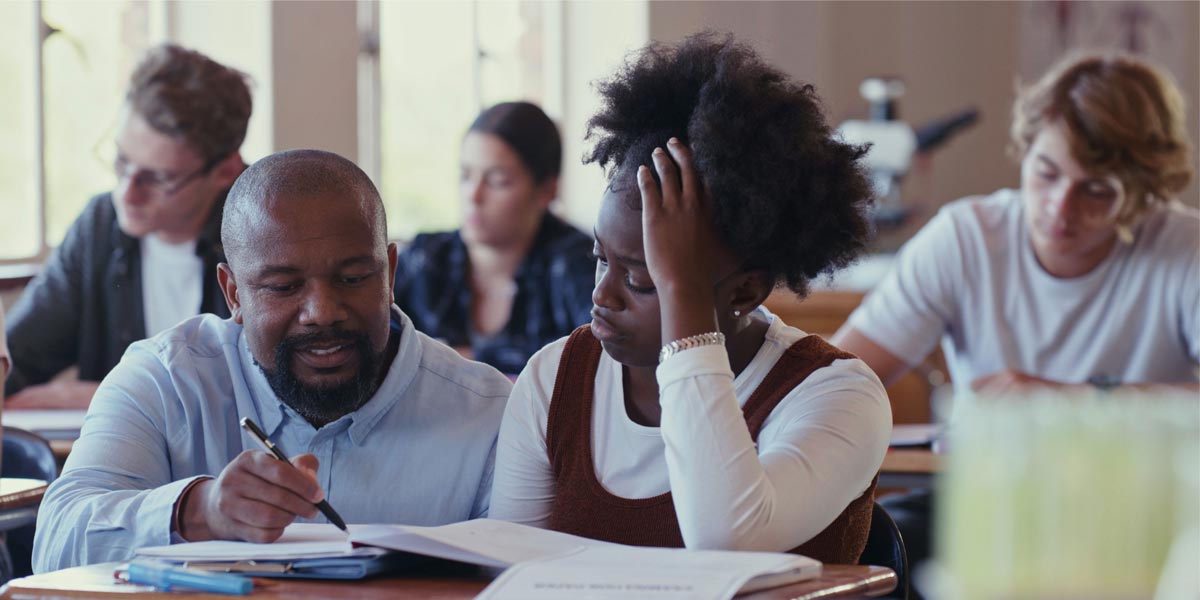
(420, 451)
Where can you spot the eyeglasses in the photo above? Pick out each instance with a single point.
(163, 184)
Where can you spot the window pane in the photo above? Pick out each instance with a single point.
(433, 81)
(19, 235)
(86, 68)
(427, 101)
(510, 38)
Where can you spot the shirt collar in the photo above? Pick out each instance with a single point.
(400, 375)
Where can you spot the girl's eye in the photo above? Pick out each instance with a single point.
(638, 289)
(597, 257)
(1047, 176)
(355, 280)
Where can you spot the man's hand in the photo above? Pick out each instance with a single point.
(57, 394)
(1009, 381)
(255, 497)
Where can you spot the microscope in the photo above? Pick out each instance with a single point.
(893, 144)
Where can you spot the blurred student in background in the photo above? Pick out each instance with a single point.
(514, 277)
(142, 257)
(1087, 276)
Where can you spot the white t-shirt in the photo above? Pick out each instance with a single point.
(172, 283)
(970, 278)
(817, 451)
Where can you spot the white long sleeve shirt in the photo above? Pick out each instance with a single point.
(817, 451)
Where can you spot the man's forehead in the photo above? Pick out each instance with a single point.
(301, 232)
(140, 143)
(291, 263)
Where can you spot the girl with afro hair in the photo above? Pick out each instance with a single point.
(687, 415)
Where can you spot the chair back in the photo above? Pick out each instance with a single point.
(27, 455)
(885, 548)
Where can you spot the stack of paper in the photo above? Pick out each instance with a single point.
(544, 564)
(313, 550)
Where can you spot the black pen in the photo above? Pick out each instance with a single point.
(258, 434)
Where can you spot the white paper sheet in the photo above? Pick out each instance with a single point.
(485, 542)
(299, 540)
(621, 572)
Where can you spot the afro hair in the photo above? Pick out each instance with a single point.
(787, 196)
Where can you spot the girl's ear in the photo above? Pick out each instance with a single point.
(750, 289)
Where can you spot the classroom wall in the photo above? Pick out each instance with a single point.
(315, 76)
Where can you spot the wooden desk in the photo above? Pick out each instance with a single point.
(837, 581)
(19, 501)
(909, 468)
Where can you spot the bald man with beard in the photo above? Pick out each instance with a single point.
(385, 423)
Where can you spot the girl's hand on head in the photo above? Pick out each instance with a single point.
(680, 243)
(677, 229)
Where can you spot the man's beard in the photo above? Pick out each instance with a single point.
(320, 405)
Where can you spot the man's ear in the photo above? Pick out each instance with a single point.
(393, 260)
(230, 287)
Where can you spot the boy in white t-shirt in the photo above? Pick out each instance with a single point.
(1086, 276)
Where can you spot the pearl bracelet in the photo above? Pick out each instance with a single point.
(714, 338)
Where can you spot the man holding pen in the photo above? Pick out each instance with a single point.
(382, 422)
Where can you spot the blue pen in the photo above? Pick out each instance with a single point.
(167, 578)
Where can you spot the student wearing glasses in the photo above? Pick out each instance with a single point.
(140, 258)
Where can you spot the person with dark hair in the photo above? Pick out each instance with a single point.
(515, 277)
(685, 414)
(138, 259)
(385, 423)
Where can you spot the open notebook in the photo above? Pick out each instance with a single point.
(543, 560)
